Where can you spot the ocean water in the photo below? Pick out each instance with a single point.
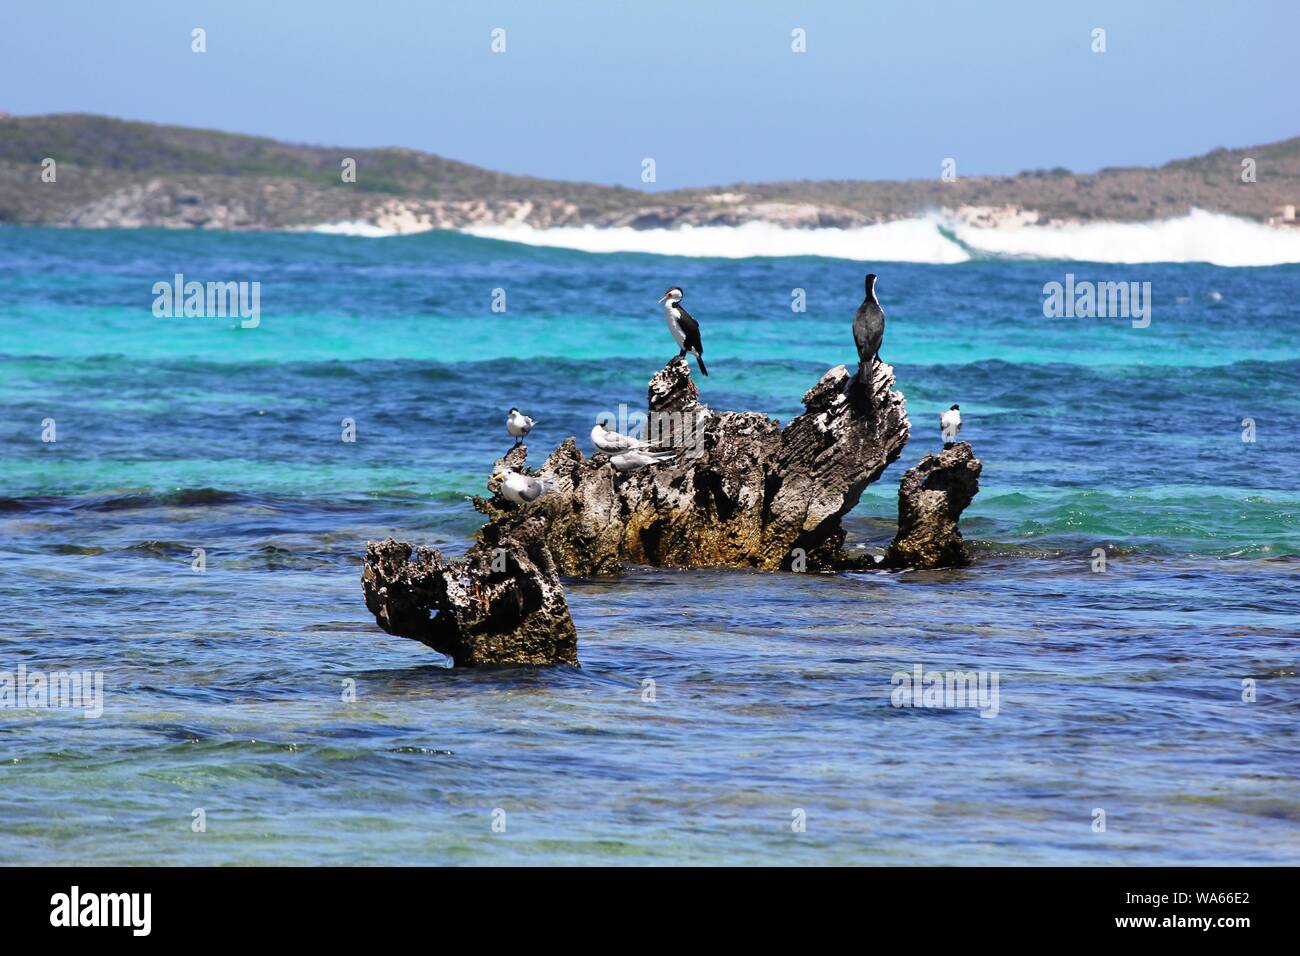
(223, 691)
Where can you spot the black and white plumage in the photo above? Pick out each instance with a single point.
(520, 488)
(608, 440)
(683, 327)
(638, 458)
(950, 424)
(518, 424)
(868, 330)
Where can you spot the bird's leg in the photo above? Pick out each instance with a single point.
(682, 354)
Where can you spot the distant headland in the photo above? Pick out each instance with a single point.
(112, 173)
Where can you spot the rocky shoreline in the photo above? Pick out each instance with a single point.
(742, 492)
(198, 202)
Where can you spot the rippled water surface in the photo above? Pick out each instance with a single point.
(1118, 691)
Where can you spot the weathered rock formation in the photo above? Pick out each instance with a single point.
(931, 498)
(743, 492)
(502, 603)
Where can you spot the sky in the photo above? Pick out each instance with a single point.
(711, 91)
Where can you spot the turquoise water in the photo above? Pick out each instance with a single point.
(1119, 690)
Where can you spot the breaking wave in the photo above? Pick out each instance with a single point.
(907, 240)
(1197, 237)
(356, 227)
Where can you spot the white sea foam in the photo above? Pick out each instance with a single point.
(360, 227)
(907, 240)
(1197, 237)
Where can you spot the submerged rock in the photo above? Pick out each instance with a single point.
(502, 603)
(743, 492)
(931, 498)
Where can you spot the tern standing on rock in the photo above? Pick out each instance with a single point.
(636, 459)
(868, 331)
(518, 424)
(684, 328)
(521, 489)
(608, 440)
(950, 424)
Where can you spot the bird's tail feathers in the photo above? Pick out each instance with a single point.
(700, 361)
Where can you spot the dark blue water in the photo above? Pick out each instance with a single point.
(1119, 690)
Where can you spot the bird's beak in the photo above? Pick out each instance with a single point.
(662, 297)
(499, 476)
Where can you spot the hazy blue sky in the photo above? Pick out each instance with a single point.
(710, 90)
